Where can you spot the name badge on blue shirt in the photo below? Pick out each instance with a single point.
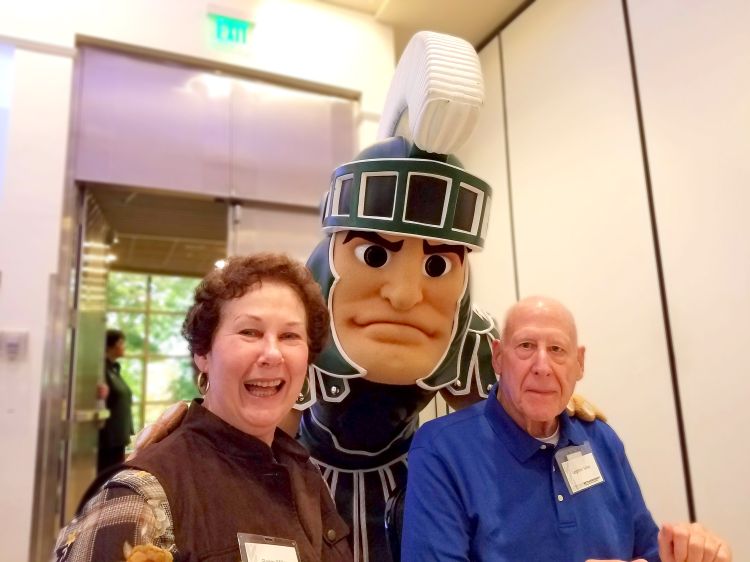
(259, 548)
(578, 467)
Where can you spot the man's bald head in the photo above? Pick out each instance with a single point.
(537, 305)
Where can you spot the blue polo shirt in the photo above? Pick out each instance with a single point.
(481, 488)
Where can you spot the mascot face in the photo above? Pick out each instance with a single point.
(395, 302)
(394, 268)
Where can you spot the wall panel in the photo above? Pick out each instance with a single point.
(30, 211)
(582, 226)
(493, 287)
(153, 124)
(694, 82)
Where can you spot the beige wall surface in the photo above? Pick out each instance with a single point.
(581, 220)
(492, 270)
(30, 227)
(694, 80)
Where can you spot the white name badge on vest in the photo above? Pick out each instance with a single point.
(578, 467)
(259, 548)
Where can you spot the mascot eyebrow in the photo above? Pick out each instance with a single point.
(427, 248)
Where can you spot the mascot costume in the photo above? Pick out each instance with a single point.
(400, 221)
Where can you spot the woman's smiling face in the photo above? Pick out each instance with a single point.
(258, 359)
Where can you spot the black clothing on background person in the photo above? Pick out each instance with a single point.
(115, 435)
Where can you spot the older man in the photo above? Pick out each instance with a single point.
(515, 479)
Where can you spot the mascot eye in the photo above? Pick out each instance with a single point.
(372, 255)
(437, 265)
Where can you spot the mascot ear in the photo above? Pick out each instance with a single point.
(438, 85)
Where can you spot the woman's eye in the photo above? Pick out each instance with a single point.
(372, 255)
(252, 333)
(291, 336)
(437, 265)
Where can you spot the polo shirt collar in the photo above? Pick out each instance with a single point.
(522, 445)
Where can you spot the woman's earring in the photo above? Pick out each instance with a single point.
(203, 383)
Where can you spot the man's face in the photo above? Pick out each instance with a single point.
(395, 302)
(539, 363)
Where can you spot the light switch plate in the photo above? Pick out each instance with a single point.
(13, 344)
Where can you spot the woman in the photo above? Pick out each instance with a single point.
(115, 435)
(255, 326)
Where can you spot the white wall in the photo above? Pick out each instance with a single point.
(582, 226)
(30, 213)
(492, 270)
(300, 39)
(695, 85)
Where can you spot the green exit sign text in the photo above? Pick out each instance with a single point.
(230, 31)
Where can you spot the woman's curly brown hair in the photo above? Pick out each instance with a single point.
(240, 274)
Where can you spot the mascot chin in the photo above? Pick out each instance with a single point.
(400, 222)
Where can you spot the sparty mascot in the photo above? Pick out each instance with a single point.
(401, 220)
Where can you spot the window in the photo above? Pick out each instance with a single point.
(157, 365)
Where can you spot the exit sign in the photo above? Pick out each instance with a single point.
(230, 31)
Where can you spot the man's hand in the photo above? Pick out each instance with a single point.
(687, 542)
(581, 408)
(691, 542)
(168, 421)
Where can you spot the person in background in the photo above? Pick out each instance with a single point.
(513, 478)
(228, 471)
(115, 435)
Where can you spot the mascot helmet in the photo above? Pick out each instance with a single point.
(413, 188)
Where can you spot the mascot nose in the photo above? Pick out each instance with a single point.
(404, 291)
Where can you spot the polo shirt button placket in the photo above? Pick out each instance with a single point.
(566, 518)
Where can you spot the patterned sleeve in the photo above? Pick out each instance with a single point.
(131, 509)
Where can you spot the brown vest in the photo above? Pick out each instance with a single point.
(220, 481)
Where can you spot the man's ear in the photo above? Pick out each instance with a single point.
(581, 357)
(201, 361)
(497, 356)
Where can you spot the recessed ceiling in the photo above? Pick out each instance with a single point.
(159, 233)
(473, 20)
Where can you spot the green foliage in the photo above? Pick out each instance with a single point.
(134, 326)
(165, 334)
(126, 290)
(183, 386)
(172, 293)
(131, 369)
